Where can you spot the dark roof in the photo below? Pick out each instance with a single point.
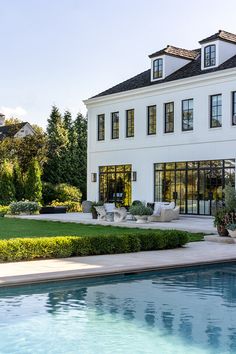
(176, 52)
(223, 35)
(8, 131)
(144, 79)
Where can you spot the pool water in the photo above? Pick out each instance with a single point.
(190, 311)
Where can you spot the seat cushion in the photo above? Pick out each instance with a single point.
(157, 209)
(109, 207)
(169, 206)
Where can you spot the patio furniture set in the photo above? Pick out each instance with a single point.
(162, 212)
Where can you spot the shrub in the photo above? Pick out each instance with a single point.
(4, 209)
(71, 207)
(48, 193)
(25, 207)
(60, 193)
(67, 192)
(136, 202)
(140, 209)
(19, 249)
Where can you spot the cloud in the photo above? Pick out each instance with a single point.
(13, 112)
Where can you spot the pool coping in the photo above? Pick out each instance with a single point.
(203, 253)
(128, 271)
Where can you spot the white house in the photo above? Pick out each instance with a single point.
(18, 130)
(169, 133)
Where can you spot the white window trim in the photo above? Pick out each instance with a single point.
(163, 68)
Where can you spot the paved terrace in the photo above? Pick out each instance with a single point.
(188, 223)
(194, 253)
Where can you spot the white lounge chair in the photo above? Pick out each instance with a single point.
(120, 214)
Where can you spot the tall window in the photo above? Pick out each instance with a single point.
(234, 108)
(115, 125)
(101, 127)
(210, 55)
(130, 123)
(157, 68)
(216, 111)
(151, 123)
(187, 115)
(169, 117)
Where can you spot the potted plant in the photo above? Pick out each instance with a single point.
(230, 221)
(220, 222)
(140, 212)
(93, 210)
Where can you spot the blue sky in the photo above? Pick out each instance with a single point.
(63, 51)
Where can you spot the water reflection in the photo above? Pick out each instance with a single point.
(197, 305)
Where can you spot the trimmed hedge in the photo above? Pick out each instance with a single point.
(24, 249)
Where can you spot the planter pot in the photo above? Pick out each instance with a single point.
(232, 233)
(222, 231)
(86, 206)
(141, 219)
(94, 213)
(53, 210)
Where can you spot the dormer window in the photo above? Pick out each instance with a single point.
(209, 56)
(157, 69)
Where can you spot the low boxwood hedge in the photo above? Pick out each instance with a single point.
(24, 249)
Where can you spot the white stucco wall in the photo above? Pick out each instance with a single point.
(142, 151)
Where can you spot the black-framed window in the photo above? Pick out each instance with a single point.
(115, 125)
(130, 123)
(209, 56)
(157, 68)
(187, 114)
(101, 127)
(151, 120)
(216, 111)
(169, 117)
(234, 108)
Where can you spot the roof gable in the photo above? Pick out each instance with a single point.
(176, 52)
(222, 35)
(9, 131)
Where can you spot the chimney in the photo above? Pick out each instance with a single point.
(2, 120)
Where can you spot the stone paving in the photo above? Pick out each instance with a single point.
(194, 253)
(187, 223)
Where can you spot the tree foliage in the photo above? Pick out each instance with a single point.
(33, 183)
(7, 189)
(17, 179)
(67, 150)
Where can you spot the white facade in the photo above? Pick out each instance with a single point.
(25, 131)
(142, 151)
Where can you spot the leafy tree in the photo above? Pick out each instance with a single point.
(33, 183)
(12, 120)
(7, 190)
(17, 179)
(25, 149)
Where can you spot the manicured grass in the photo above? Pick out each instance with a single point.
(13, 228)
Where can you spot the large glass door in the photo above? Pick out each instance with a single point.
(115, 184)
(194, 186)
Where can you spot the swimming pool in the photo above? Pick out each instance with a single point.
(192, 310)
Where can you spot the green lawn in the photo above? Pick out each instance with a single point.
(12, 228)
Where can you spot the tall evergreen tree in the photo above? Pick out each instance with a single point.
(55, 167)
(81, 152)
(18, 181)
(33, 183)
(7, 190)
